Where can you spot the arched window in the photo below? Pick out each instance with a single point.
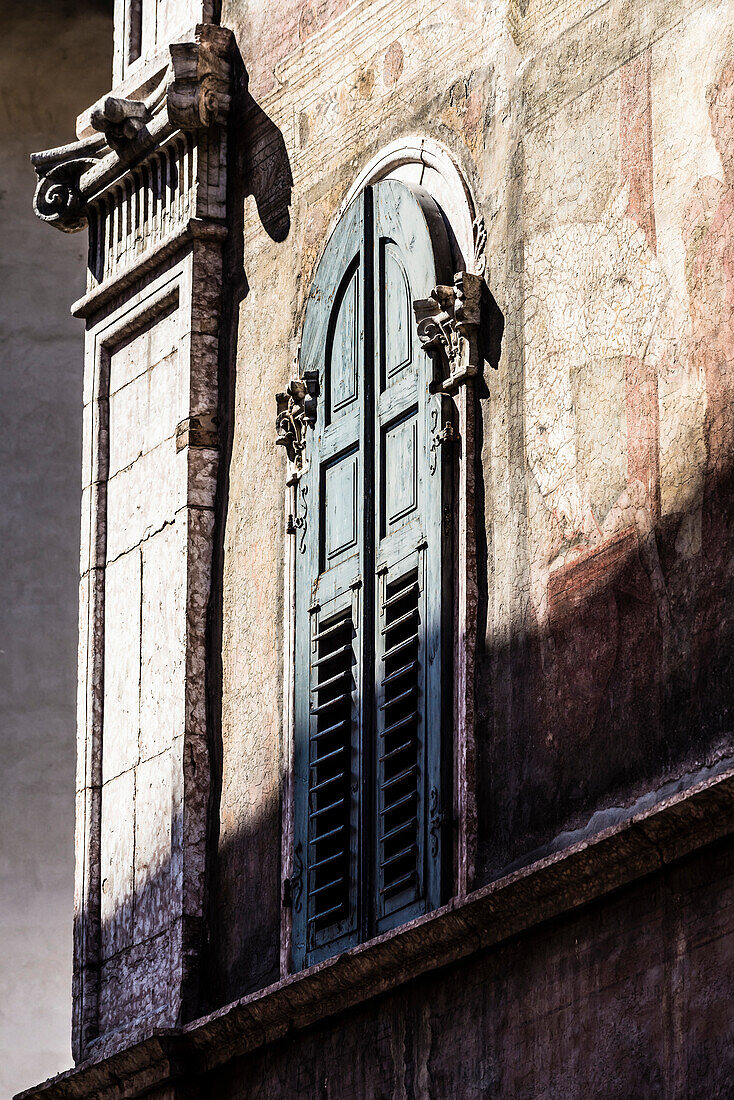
(373, 588)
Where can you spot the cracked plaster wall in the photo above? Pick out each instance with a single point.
(601, 159)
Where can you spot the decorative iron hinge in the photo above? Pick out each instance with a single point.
(437, 820)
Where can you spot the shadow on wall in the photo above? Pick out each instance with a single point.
(262, 167)
(132, 977)
(242, 952)
(618, 670)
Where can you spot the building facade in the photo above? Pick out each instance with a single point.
(405, 761)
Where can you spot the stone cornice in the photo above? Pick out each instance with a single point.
(617, 856)
(193, 94)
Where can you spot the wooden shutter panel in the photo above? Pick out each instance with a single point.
(330, 661)
(372, 586)
(413, 592)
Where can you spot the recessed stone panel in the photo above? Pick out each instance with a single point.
(141, 352)
(116, 863)
(145, 496)
(163, 639)
(136, 985)
(145, 412)
(122, 665)
(153, 808)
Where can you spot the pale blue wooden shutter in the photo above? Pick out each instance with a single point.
(413, 593)
(373, 590)
(330, 660)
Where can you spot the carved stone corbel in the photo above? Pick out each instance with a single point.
(192, 94)
(449, 323)
(296, 411)
(198, 96)
(120, 120)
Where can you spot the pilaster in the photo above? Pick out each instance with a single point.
(147, 176)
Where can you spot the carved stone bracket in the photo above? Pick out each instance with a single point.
(449, 322)
(120, 120)
(296, 410)
(58, 199)
(448, 329)
(192, 94)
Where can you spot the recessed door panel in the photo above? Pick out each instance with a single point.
(397, 321)
(343, 345)
(339, 504)
(400, 450)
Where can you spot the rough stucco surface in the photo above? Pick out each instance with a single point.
(44, 84)
(598, 142)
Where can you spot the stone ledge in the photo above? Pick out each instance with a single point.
(612, 858)
(195, 229)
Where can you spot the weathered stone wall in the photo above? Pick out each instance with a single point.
(55, 58)
(598, 145)
(628, 998)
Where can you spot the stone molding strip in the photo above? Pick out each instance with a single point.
(151, 261)
(615, 857)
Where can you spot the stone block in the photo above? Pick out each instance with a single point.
(117, 861)
(146, 411)
(203, 464)
(122, 664)
(136, 985)
(153, 809)
(93, 534)
(144, 497)
(163, 638)
(132, 358)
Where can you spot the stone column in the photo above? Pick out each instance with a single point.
(148, 177)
